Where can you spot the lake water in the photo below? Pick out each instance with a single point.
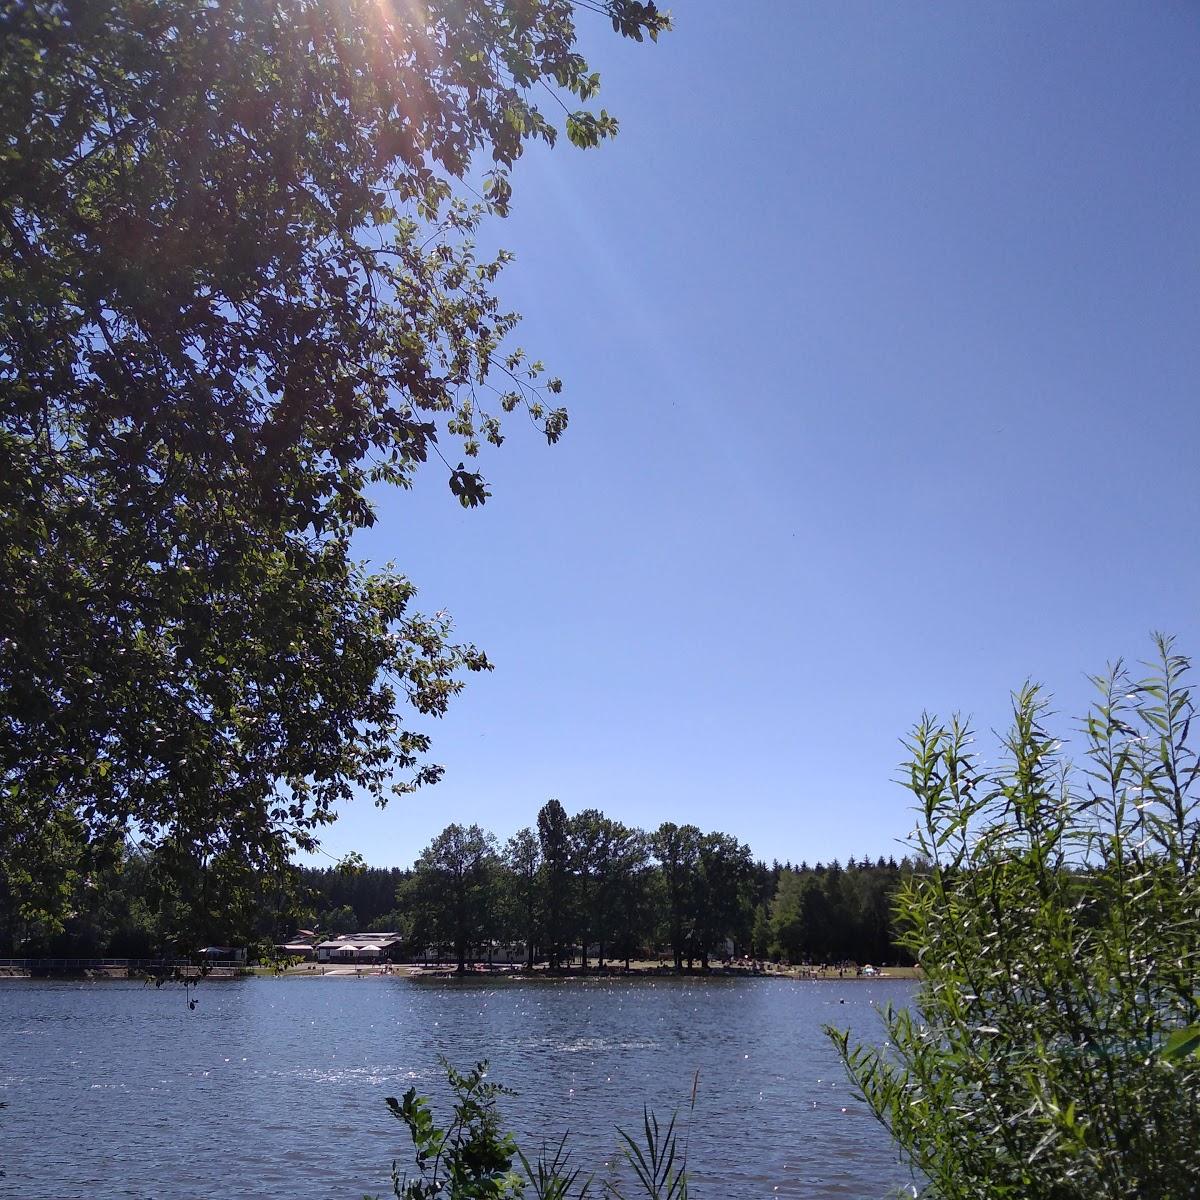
(275, 1087)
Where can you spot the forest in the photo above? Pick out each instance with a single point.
(565, 888)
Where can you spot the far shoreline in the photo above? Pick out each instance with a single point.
(641, 970)
(481, 972)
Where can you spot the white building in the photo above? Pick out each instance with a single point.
(361, 948)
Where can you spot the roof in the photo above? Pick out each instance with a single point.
(362, 939)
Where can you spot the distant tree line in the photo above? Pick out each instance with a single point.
(567, 888)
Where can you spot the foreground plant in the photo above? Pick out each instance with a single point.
(659, 1169)
(1051, 1052)
(474, 1157)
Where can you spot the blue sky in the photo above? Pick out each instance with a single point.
(880, 332)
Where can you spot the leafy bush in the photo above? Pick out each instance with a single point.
(1051, 1050)
(473, 1157)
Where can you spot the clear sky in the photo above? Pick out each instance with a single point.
(880, 330)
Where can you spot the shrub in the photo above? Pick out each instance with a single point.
(1050, 1053)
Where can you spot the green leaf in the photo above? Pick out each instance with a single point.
(1183, 1043)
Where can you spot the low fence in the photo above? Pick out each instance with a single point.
(219, 967)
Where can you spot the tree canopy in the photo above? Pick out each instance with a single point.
(454, 878)
(238, 290)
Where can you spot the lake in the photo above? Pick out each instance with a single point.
(275, 1087)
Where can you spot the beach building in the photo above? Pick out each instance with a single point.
(234, 954)
(297, 949)
(361, 948)
(302, 945)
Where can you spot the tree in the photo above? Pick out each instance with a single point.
(523, 858)
(39, 860)
(591, 837)
(628, 901)
(790, 935)
(722, 880)
(554, 839)
(238, 290)
(875, 889)
(677, 848)
(455, 878)
(760, 936)
(1057, 925)
(423, 916)
(335, 922)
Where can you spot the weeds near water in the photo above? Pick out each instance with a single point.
(553, 1178)
(474, 1158)
(654, 1167)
